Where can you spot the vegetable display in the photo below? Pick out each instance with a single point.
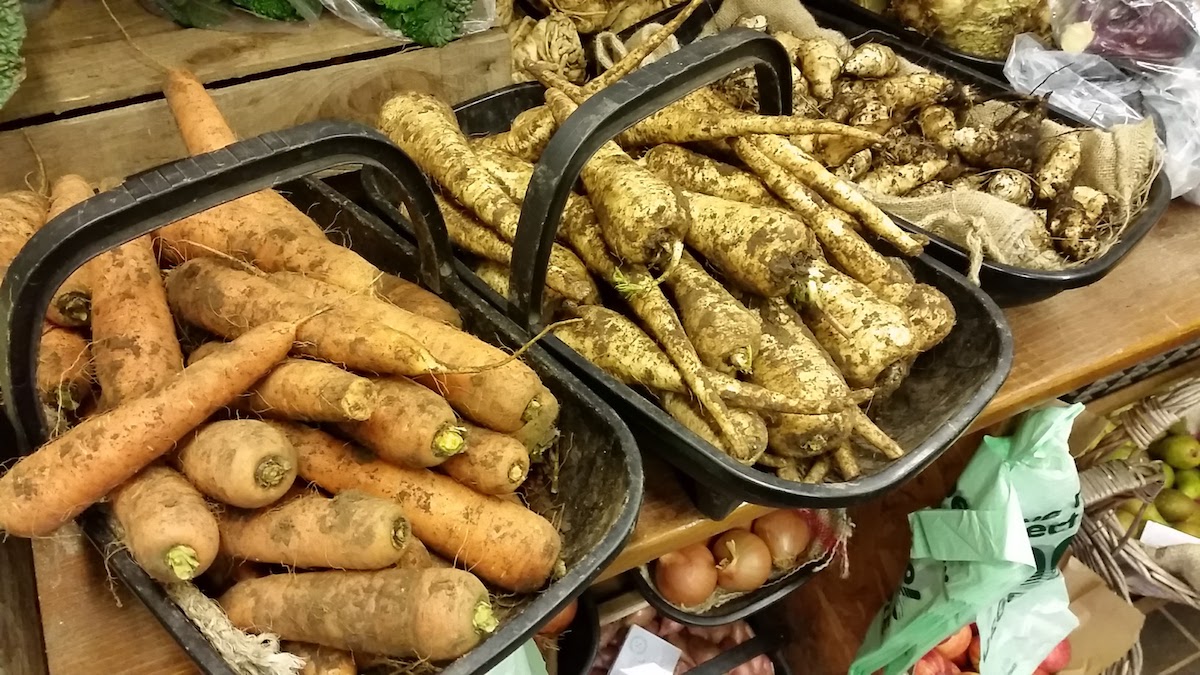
(696, 644)
(331, 422)
(749, 300)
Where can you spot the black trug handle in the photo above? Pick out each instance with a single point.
(615, 109)
(740, 654)
(161, 196)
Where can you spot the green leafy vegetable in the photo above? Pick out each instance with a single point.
(276, 10)
(427, 22)
(12, 34)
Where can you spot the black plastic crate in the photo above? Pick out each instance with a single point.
(603, 476)
(949, 386)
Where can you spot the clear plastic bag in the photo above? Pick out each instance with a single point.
(228, 16)
(366, 14)
(1141, 31)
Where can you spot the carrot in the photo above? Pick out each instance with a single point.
(71, 305)
(698, 173)
(307, 391)
(320, 660)
(432, 614)
(617, 346)
(416, 556)
(64, 368)
(500, 398)
(504, 543)
(492, 463)
(565, 274)
(243, 463)
(762, 250)
(228, 301)
(750, 425)
(723, 332)
(351, 531)
(539, 433)
(62, 478)
(167, 525)
(21, 214)
(411, 425)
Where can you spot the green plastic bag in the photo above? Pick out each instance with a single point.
(989, 553)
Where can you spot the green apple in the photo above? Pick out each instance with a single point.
(1187, 481)
(1126, 518)
(1181, 452)
(1168, 476)
(1123, 451)
(1190, 526)
(1175, 506)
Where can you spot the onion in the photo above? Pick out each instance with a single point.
(761, 665)
(702, 650)
(745, 560)
(561, 620)
(605, 658)
(686, 577)
(787, 536)
(642, 617)
(608, 632)
(669, 627)
(741, 632)
(714, 634)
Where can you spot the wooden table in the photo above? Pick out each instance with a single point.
(1145, 307)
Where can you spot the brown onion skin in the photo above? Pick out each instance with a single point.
(747, 566)
(787, 536)
(686, 577)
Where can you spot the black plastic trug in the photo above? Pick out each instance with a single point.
(604, 475)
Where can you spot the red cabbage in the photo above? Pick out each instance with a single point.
(1141, 30)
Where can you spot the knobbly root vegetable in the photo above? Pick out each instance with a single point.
(856, 167)
(174, 535)
(1074, 221)
(791, 361)
(71, 305)
(938, 126)
(352, 531)
(870, 61)
(501, 541)
(227, 301)
(243, 463)
(411, 425)
(617, 346)
(723, 332)
(64, 369)
(762, 250)
(873, 115)
(320, 660)
(930, 189)
(821, 65)
(787, 536)
(1011, 186)
(931, 315)
(866, 429)
(500, 397)
(62, 478)
(845, 462)
(686, 577)
(642, 218)
(749, 424)
(565, 273)
(491, 464)
(899, 180)
(905, 92)
(306, 391)
(698, 173)
(1057, 170)
(743, 560)
(133, 333)
(434, 614)
(817, 472)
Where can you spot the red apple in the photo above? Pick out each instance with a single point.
(974, 650)
(1058, 658)
(956, 645)
(1040, 671)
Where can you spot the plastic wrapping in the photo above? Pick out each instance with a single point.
(1110, 90)
(366, 15)
(230, 16)
(1141, 31)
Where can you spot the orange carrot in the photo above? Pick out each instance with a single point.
(504, 543)
(71, 306)
(62, 478)
(167, 525)
(21, 214)
(411, 425)
(64, 371)
(320, 660)
(243, 463)
(493, 464)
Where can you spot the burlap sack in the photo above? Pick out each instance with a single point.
(1120, 163)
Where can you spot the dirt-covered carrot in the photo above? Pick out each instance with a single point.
(642, 218)
(491, 463)
(320, 660)
(307, 391)
(900, 179)
(539, 433)
(22, 212)
(565, 274)
(410, 426)
(433, 614)
(502, 398)
(750, 424)
(71, 305)
(762, 250)
(503, 542)
(352, 530)
(243, 463)
(227, 300)
(62, 478)
(64, 369)
(699, 173)
(173, 535)
(723, 332)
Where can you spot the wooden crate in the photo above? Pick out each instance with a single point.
(92, 104)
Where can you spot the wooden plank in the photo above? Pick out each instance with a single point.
(77, 58)
(120, 142)
(21, 651)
